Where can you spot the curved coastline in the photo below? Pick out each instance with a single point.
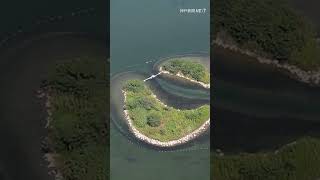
(22, 57)
(207, 86)
(50, 156)
(47, 154)
(309, 77)
(203, 128)
(158, 68)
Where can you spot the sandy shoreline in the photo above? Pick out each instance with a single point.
(204, 127)
(309, 77)
(207, 86)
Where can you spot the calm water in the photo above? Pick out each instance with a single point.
(25, 64)
(146, 34)
(258, 107)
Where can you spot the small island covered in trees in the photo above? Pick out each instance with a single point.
(154, 122)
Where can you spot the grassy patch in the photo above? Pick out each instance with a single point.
(188, 68)
(157, 121)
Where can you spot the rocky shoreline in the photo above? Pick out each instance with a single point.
(309, 77)
(204, 127)
(49, 155)
(207, 86)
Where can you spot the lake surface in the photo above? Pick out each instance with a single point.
(140, 35)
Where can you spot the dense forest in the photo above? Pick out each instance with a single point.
(270, 28)
(78, 129)
(296, 161)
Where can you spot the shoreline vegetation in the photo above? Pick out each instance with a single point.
(273, 33)
(279, 36)
(155, 123)
(297, 160)
(311, 77)
(77, 121)
(184, 68)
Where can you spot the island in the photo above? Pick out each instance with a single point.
(155, 123)
(187, 68)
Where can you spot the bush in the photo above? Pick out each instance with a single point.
(134, 86)
(140, 102)
(192, 115)
(154, 120)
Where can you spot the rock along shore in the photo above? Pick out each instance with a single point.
(204, 127)
(50, 156)
(309, 77)
(207, 86)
